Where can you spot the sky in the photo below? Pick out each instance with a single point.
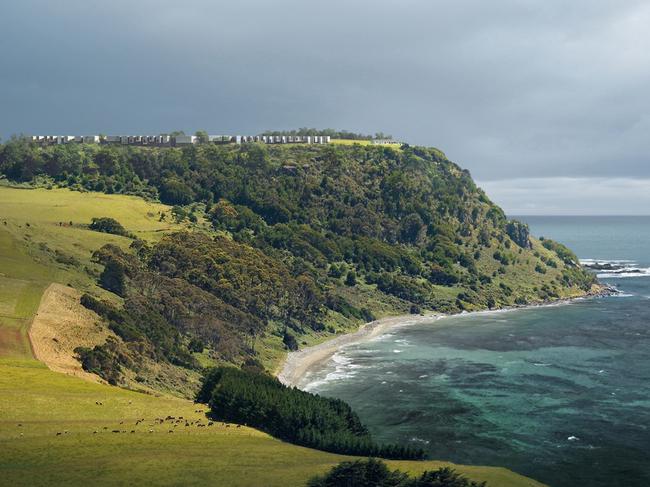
(546, 102)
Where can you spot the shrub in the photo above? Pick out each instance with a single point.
(289, 341)
(196, 345)
(109, 225)
(103, 360)
(351, 279)
(113, 277)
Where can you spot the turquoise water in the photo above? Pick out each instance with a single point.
(559, 393)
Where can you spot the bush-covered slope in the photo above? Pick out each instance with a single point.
(303, 241)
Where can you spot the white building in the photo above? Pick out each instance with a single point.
(179, 140)
(185, 139)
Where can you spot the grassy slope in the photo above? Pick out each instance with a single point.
(51, 403)
(30, 233)
(45, 403)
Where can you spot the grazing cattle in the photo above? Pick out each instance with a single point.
(115, 431)
(132, 431)
(58, 434)
(94, 432)
(210, 423)
(239, 426)
(150, 431)
(170, 431)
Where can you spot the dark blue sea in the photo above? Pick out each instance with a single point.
(559, 393)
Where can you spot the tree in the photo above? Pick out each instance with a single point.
(113, 277)
(175, 192)
(289, 341)
(107, 160)
(410, 228)
(202, 136)
(351, 279)
(108, 225)
(179, 213)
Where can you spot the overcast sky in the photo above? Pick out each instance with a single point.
(546, 102)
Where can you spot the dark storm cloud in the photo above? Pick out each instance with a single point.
(509, 89)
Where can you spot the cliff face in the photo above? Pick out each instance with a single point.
(519, 233)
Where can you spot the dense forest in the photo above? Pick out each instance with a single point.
(261, 401)
(290, 242)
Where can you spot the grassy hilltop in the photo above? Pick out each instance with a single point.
(226, 255)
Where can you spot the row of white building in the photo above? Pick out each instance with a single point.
(178, 140)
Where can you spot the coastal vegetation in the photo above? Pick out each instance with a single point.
(306, 419)
(279, 247)
(375, 473)
(232, 255)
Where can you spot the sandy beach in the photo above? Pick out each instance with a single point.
(298, 363)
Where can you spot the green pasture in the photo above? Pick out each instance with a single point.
(36, 404)
(44, 239)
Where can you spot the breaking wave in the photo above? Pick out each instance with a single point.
(615, 268)
(344, 368)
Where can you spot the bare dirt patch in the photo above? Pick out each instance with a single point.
(61, 324)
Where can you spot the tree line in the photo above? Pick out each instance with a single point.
(261, 401)
(375, 473)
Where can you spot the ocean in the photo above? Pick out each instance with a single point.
(559, 393)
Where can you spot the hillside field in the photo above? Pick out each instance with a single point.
(43, 239)
(48, 420)
(36, 404)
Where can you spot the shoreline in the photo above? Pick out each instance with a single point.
(296, 364)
